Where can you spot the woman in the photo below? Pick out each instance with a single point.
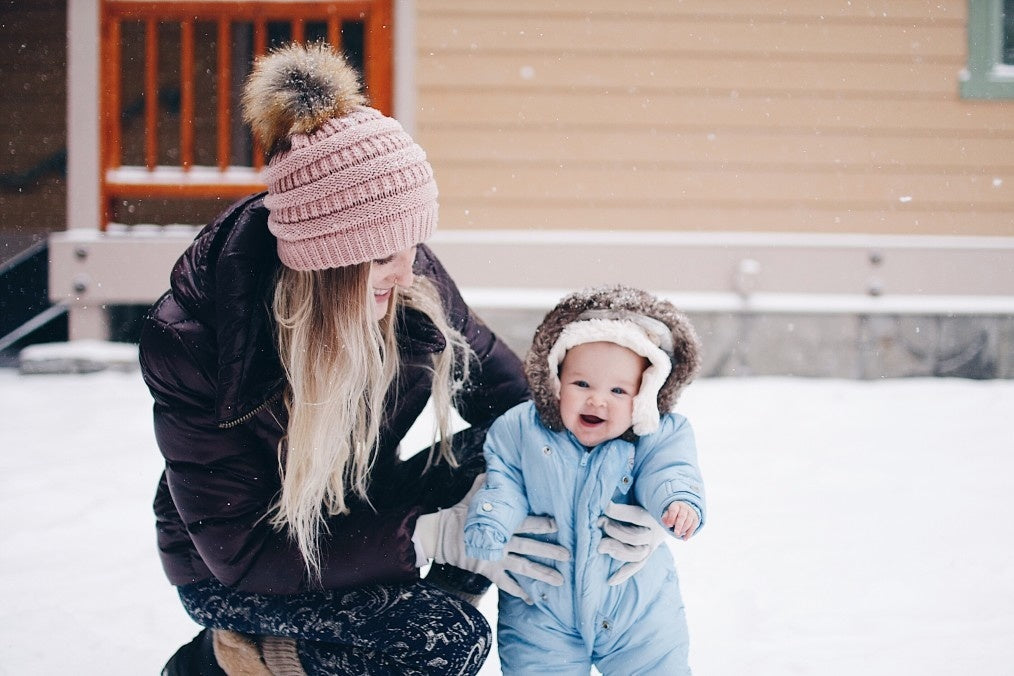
(303, 333)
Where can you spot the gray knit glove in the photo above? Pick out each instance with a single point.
(631, 535)
(441, 537)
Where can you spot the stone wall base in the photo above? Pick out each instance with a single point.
(853, 346)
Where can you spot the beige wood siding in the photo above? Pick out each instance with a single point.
(813, 116)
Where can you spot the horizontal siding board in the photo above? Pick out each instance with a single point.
(681, 35)
(477, 213)
(599, 185)
(811, 151)
(621, 110)
(830, 10)
(623, 73)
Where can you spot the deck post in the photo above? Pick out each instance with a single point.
(84, 209)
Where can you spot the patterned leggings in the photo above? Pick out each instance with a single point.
(381, 629)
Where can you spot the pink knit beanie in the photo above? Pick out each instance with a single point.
(346, 184)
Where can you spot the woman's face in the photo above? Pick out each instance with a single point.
(387, 273)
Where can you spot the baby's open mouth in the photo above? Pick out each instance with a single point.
(591, 419)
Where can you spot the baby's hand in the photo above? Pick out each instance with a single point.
(682, 519)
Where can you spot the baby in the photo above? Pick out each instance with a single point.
(605, 368)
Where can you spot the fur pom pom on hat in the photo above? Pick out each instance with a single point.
(346, 184)
(632, 318)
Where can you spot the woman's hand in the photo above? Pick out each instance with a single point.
(442, 539)
(631, 535)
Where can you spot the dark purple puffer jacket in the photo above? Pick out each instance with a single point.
(209, 358)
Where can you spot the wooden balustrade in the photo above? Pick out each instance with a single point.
(176, 168)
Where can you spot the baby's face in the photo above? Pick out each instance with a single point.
(598, 382)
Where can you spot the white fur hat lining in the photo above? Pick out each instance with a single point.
(635, 332)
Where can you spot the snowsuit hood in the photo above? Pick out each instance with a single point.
(621, 300)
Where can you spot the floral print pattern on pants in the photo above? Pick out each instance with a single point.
(381, 629)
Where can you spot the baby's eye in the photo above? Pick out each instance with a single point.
(581, 383)
(618, 390)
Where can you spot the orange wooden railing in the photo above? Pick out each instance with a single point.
(182, 178)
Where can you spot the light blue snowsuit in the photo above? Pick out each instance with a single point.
(636, 627)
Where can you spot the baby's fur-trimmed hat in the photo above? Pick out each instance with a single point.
(627, 316)
(346, 184)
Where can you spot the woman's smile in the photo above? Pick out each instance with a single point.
(381, 298)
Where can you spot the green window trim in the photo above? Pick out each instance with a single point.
(986, 75)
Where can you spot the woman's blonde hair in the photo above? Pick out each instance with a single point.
(341, 363)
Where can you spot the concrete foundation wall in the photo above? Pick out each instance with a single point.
(850, 346)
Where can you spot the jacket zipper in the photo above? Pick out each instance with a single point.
(229, 424)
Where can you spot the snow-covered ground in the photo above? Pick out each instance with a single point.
(854, 527)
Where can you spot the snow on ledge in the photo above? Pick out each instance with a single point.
(723, 239)
(78, 356)
(775, 303)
